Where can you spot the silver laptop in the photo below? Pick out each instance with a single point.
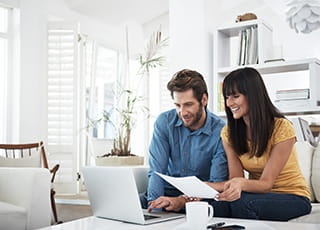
(113, 194)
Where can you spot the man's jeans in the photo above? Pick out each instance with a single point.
(264, 206)
(144, 200)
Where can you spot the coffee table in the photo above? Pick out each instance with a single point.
(95, 223)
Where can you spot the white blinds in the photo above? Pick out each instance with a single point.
(61, 73)
(62, 102)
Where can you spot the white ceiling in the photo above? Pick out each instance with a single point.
(117, 12)
(120, 11)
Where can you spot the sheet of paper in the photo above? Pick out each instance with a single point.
(191, 186)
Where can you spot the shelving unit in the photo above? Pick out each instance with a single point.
(223, 38)
(280, 75)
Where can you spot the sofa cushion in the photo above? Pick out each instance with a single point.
(12, 217)
(33, 161)
(315, 175)
(305, 154)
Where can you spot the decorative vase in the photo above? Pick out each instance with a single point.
(119, 161)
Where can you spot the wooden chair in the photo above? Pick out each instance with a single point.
(29, 155)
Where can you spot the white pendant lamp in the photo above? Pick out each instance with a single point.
(303, 15)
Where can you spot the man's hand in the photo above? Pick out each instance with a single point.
(168, 203)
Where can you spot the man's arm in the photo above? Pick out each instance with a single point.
(219, 164)
(159, 158)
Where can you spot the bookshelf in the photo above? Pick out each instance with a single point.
(279, 76)
(225, 37)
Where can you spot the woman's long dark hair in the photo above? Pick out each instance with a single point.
(262, 112)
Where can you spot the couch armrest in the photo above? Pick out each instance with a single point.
(28, 188)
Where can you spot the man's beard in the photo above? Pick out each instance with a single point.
(197, 117)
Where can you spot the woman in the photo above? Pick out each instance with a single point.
(261, 141)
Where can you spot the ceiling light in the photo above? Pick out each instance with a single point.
(303, 15)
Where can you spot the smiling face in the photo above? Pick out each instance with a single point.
(238, 105)
(189, 109)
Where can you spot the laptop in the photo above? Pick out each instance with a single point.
(113, 194)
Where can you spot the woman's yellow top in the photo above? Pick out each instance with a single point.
(290, 179)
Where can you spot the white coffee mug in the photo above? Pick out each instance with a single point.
(198, 214)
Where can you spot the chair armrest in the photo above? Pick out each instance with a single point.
(54, 171)
(28, 188)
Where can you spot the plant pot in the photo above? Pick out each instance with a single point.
(119, 161)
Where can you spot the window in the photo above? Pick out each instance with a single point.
(102, 66)
(4, 62)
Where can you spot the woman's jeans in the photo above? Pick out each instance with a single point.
(264, 206)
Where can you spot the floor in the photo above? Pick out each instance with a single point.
(72, 207)
(69, 212)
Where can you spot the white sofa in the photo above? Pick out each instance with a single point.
(309, 159)
(24, 198)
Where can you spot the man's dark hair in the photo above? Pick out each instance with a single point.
(188, 79)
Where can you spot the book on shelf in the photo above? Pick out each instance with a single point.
(220, 98)
(243, 47)
(303, 131)
(287, 106)
(240, 40)
(253, 46)
(292, 94)
(248, 46)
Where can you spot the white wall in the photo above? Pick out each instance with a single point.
(190, 24)
(33, 79)
(189, 36)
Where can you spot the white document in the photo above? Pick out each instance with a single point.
(191, 186)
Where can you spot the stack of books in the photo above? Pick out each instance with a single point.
(292, 94)
(292, 99)
(248, 46)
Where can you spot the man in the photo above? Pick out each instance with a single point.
(186, 142)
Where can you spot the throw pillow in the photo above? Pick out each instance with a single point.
(305, 154)
(315, 177)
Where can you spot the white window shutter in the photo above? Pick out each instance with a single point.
(63, 82)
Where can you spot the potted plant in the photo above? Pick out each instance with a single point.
(130, 106)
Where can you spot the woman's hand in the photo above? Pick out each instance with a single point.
(191, 199)
(232, 189)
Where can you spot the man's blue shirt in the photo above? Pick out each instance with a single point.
(177, 151)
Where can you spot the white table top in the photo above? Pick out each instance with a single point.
(94, 223)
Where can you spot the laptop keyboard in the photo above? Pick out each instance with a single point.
(149, 217)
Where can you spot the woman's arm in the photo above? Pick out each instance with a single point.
(234, 163)
(234, 166)
(278, 158)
